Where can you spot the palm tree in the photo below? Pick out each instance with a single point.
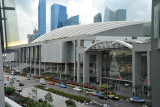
(49, 97)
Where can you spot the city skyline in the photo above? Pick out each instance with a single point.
(28, 14)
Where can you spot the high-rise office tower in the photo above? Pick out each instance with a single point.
(42, 17)
(98, 18)
(121, 15)
(58, 16)
(72, 21)
(109, 15)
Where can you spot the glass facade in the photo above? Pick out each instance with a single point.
(121, 15)
(117, 64)
(157, 21)
(109, 15)
(58, 16)
(98, 18)
(72, 21)
(147, 29)
(42, 17)
(11, 24)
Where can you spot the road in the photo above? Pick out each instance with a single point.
(111, 103)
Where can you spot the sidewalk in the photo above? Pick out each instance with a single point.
(58, 101)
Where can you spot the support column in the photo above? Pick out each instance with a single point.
(34, 58)
(148, 68)
(39, 60)
(65, 68)
(78, 68)
(75, 43)
(99, 67)
(136, 61)
(31, 54)
(86, 78)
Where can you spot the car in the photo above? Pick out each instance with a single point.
(95, 93)
(77, 89)
(112, 96)
(17, 79)
(19, 89)
(51, 83)
(137, 99)
(42, 100)
(103, 97)
(21, 84)
(42, 81)
(63, 86)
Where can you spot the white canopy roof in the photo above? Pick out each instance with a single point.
(86, 29)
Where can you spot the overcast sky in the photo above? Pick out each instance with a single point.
(27, 11)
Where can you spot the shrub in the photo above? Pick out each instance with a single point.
(70, 103)
(75, 97)
(32, 103)
(10, 90)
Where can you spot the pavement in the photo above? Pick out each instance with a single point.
(59, 101)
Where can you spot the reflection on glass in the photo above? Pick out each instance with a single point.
(157, 20)
(11, 24)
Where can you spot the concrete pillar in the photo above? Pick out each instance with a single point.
(2, 101)
(65, 71)
(78, 68)
(57, 68)
(44, 66)
(148, 68)
(34, 57)
(39, 60)
(99, 67)
(75, 43)
(86, 78)
(136, 66)
(30, 59)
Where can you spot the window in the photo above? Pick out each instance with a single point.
(157, 21)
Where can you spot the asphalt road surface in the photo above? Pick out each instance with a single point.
(111, 103)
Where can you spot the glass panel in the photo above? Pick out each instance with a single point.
(156, 20)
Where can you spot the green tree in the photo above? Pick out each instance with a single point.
(70, 103)
(49, 97)
(10, 90)
(33, 103)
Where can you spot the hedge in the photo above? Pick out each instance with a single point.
(75, 97)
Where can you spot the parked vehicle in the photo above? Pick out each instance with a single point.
(63, 86)
(137, 99)
(51, 83)
(112, 96)
(19, 89)
(42, 100)
(103, 97)
(17, 79)
(21, 84)
(95, 93)
(77, 89)
(42, 81)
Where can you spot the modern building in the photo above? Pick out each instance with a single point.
(121, 15)
(32, 37)
(58, 16)
(118, 15)
(72, 21)
(109, 15)
(97, 53)
(42, 17)
(98, 18)
(155, 53)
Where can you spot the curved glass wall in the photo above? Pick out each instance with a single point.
(117, 64)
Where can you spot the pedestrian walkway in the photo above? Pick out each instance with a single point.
(58, 101)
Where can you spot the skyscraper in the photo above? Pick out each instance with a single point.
(42, 17)
(72, 21)
(118, 15)
(58, 16)
(121, 15)
(98, 18)
(109, 15)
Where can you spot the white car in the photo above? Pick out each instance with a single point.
(19, 89)
(17, 79)
(77, 89)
